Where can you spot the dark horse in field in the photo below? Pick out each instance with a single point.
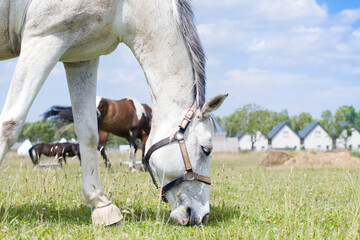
(125, 118)
(59, 150)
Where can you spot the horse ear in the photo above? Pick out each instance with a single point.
(212, 104)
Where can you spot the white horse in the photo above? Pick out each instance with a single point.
(163, 38)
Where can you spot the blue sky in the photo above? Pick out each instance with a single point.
(299, 55)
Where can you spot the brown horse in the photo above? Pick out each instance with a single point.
(59, 150)
(125, 118)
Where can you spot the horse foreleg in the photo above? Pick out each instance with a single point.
(38, 56)
(82, 86)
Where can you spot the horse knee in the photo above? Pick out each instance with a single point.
(10, 130)
(89, 138)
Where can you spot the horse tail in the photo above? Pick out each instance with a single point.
(63, 113)
(31, 155)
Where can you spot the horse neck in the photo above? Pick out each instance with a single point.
(161, 51)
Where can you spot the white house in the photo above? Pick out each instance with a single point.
(282, 136)
(315, 137)
(220, 142)
(245, 141)
(350, 142)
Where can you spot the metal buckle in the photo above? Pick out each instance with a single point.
(189, 176)
(179, 136)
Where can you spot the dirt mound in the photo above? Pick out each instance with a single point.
(275, 158)
(336, 158)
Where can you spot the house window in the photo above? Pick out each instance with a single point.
(350, 147)
(286, 134)
(317, 134)
(327, 147)
(319, 147)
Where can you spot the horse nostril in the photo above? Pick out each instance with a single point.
(205, 218)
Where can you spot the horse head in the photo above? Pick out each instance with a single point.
(184, 171)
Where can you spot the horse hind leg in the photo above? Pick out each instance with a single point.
(106, 159)
(82, 86)
(103, 137)
(38, 56)
(133, 149)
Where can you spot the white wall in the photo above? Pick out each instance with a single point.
(286, 138)
(318, 140)
(224, 144)
(353, 142)
(260, 145)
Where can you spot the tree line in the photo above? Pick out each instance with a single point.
(54, 130)
(251, 118)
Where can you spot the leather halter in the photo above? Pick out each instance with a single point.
(189, 174)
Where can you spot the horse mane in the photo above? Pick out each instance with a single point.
(184, 18)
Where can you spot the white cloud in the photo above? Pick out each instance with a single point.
(349, 16)
(281, 54)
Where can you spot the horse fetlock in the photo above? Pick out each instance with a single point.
(96, 198)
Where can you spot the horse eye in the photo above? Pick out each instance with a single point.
(206, 150)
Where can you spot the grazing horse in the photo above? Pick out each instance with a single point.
(125, 118)
(59, 150)
(163, 37)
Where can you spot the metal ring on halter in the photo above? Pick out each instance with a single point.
(189, 176)
(179, 135)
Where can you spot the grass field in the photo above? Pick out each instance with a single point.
(247, 202)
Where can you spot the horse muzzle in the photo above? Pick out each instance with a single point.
(189, 216)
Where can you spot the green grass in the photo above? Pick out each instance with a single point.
(247, 202)
(356, 154)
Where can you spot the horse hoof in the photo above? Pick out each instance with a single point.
(133, 169)
(106, 215)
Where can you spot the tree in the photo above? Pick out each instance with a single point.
(114, 140)
(39, 131)
(299, 122)
(327, 120)
(64, 131)
(236, 121)
(282, 116)
(345, 113)
(345, 118)
(22, 137)
(251, 119)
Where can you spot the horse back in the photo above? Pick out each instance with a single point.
(117, 116)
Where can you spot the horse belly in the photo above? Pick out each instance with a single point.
(6, 50)
(85, 27)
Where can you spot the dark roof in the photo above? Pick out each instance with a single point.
(307, 130)
(240, 134)
(344, 123)
(277, 128)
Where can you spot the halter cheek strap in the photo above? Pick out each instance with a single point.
(188, 175)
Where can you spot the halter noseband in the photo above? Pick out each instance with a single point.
(188, 175)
